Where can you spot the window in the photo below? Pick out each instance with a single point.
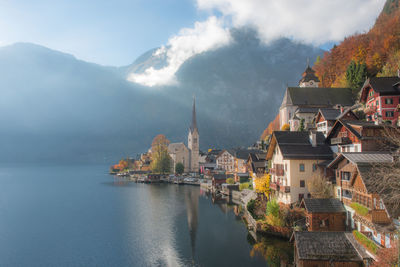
(389, 114)
(302, 183)
(302, 167)
(314, 167)
(324, 223)
(388, 101)
(346, 176)
(377, 103)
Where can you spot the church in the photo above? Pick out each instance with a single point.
(187, 155)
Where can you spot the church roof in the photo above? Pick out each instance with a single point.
(309, 75)
(317, 97)
(194, 120)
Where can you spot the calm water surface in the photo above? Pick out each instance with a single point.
(81, 216)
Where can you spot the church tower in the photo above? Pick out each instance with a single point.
(193, 142)
(309, 79)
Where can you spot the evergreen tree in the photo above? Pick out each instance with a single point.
(302, 127)
(179, 168)
(356, 74)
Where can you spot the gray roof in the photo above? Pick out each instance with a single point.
(368, 157)
(330, 114)
(309, 75)
(385, 85)
(323, 205)
(244, 153)
(318, 97)
(297, 145)
(328, 246)
(306, 110)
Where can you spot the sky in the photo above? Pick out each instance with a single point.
(117, 32)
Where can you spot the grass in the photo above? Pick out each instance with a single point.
(360, 209)
(244, 186)
(366, 242)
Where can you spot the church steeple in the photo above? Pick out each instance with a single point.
(194, 121)
(309, 79)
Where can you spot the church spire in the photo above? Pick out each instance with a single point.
(194, 122)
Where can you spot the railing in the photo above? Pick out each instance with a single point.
(370, 110)
(274, 186)
(340, 141)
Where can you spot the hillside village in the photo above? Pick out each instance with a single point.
(323, 172)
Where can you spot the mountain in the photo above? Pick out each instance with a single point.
(378, 49)
(240, 85)
(55, 107)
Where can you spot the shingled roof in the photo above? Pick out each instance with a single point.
(322, 205)
(381, 85)
(328, 246)
(363, 157)
(309, 75)
(318, 97)
(297, 145)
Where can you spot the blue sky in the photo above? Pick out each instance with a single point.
(107, 32)
(117, 32)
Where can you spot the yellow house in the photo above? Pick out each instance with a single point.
(295, 157)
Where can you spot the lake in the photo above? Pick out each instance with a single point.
(81, 216)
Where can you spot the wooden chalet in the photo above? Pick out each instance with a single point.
(256, 163)
(366, 209)
(328, 249)
(381, 96)
(356, 136)
(326, 118)
(324, 214)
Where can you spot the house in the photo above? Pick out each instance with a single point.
(324, 214)
(294, 159)
(218, 179)
(328, 249)
(326, 118)
(381, 96)
(303, 117)
(226, 161)
(356, 136)
(367, 211)
(257, 164)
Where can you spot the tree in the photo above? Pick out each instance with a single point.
(285, 127)
(319, 187)
(356, 74)
(262, 184)
(179, 168)
(302, 127)
(160, 159)
(230, 181)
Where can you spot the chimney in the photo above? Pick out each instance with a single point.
(313, 138)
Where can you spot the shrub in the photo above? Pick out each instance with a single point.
(230, 181)
(251, 206)
(273, 208)
(360, 209)
(368, 243)
(244, 186)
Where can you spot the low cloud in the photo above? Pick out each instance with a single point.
(309, 21)
(204, 36)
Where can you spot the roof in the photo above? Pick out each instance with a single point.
(219, 176)
(323, 205)
(330, 114)
(244, 153)
(328, 246)
(297, 145)
(309, 75)
(306, 110)
(349, 124)
(363, 157)
(381, 85)
(318, 97)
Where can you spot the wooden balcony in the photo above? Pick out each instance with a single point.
(277, 172)
(274, 186)
(340, 141)
(379, 216)
(370, 110)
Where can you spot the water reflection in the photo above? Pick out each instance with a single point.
(276, 252)
(192, 204)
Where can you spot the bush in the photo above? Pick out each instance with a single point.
(244, 186)
(273, 208)
(360, 209)
(251, 205)
(230, 181)
(368, 243)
